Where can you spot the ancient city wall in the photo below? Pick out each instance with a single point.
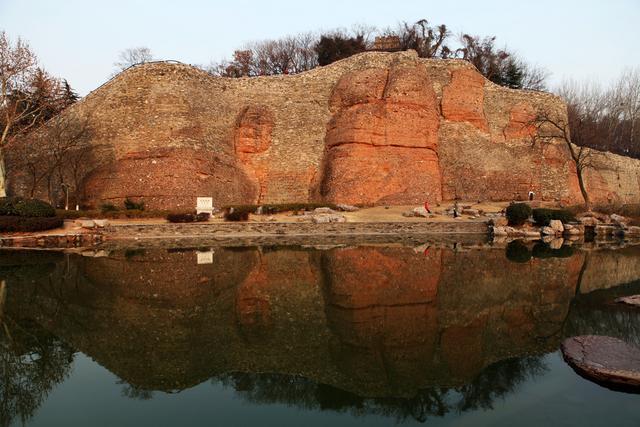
(374, 128)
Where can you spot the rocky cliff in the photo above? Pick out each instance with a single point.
(374, 128)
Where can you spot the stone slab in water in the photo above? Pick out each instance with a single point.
(630, 300)
(605, 360)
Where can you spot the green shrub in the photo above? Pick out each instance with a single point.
(21, 223)
(7, 206)
(233, 214)
(34, 208)
(17, 206)
(179, 217)
(517, 251)
(518, 213)
(118, 214)
(543, 216)
(108, 207)
(130, 205)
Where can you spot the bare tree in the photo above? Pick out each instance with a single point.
(133, 56)
(288, 55)
(17, 66)
(550, 127)
(428, 41)
(605, 118)
(53, 157)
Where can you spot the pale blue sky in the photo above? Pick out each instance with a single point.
(80, 39)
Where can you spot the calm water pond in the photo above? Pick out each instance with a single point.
(438, 334)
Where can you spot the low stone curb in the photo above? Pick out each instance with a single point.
(233, 230)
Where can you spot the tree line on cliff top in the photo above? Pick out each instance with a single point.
(305, 51)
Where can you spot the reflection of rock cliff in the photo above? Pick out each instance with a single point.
(376, 321)
(374, 128)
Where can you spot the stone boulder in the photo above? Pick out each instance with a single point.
(605, 360)
(470, 212)
(589, 221)
(573, 229)
(557, 226)
(632, 231)
(619, 220)
(633, 300)
(86, 223)
(328, 218)
(607, 230)
(548, 231)
(347, 208)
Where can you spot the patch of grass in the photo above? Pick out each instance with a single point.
(131, 205)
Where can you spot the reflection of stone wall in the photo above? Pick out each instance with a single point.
(608, 268)
(375, 320)
(374, 128)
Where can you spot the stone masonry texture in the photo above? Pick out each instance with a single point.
(371, 129)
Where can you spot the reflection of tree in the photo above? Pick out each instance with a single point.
(32, 362)
(133, 392)
(497, 381)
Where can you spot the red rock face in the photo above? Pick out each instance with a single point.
(166, 179)
(463, 98)
(382, 140)
(520, 123)
(376, 128)
(253, 137)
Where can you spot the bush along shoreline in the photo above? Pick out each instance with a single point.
(27, 215)
(523, 222)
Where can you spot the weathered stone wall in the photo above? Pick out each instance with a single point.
(613, 180)
(374, 128)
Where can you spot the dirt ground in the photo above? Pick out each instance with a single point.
(371, 214)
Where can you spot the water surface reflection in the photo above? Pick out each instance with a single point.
(377, 330)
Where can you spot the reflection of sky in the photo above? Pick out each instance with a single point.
(80, 39)
(92, 396)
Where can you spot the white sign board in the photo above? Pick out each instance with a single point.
(205, 257)
(204, 204)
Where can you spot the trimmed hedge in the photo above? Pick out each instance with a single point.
(108, 207)
(17, 206)
(236, 215)
(130, 205)
(22, 223)
(518, 213)
(118, 214)
(181, 217)
(543, 216)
